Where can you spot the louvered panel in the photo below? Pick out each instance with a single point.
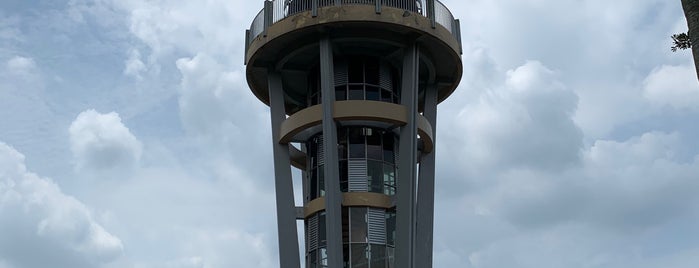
(313, 233)
(385, 78)
(341, 74)
(357, 175)
(376, 219)
(321, 151)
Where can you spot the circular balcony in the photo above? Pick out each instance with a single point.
(285, 34)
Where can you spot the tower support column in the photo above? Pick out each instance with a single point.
(333, 196)
(425, 192)
(283, 185)
(407, 159)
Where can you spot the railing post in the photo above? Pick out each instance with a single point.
(338, 2)
(314, 8)
(269, 8)
(378, 6)
(431, 13)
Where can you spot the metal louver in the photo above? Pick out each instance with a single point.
(376, 220)
(357, 175)
(313, 233)
(320, 150)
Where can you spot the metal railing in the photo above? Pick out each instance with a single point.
(276, 10)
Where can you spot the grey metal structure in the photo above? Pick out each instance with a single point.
(356, 83)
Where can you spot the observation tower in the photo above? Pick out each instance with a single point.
(353, 88)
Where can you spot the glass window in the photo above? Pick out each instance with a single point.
(355, 71)
(321, 180)
(359, 256)
(345, 225)
(312, 259)
(389, 179)
(343, 176)
(390, 254)
(322, 237)
(371, 73)
(390, 227)
(378, 256)
(314, 183)
(346, 256)
(324, 257)
(374, 145)
(386, 95)
(358, 226)
(340, 93)
(375, 172)
(356, 92)
(388, 147)
(372, 93)
(356, 139)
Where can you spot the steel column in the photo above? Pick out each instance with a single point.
(333, 196)
(283, 185)
(425, 191)
(407, 159)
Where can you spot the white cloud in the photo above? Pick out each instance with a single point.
(674, 86)
(134, 66)
(526, 122)
(42, 226)
(20, 66)
(101, 141)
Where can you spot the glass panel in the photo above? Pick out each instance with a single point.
(323, 257)
(346, 256)
(358, 227)
(356, 92)
(359, 256)
(345, 225)
(343, 176)
(322, 237)
(386, 95)
(372, 93)
(390, 227)
(390, 252)
(389, 179)
(375, 172)
(374, 146)
(314, 183)
(378, 256)
(356, 139)
(340, 93)
(312, 259)
(321, 180)
(388, 147)
(372, 71)
(355, 71)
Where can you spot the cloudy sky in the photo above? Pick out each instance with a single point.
(129, 138)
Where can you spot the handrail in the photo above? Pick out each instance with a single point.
(281, 9)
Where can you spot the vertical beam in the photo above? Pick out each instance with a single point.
(333, 196)
(284, 187)
(425, 191)
(407, 159)
(378, 6)
(431, 14)
(338, 2)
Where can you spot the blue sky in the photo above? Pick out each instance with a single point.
(129, 138)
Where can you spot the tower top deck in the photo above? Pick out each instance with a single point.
(285, 33)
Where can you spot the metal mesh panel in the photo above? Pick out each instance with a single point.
(313, 233)
(376, 218)
(357, 176)
(341, 74)
(443, 16)
(258, 25)
(385, 78)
